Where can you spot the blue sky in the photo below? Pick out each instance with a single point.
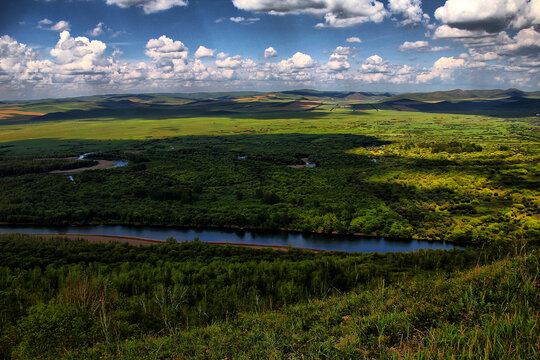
(61, 48)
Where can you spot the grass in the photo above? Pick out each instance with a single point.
(490, 312)
(385, 124)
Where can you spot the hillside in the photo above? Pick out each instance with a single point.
(69, 299)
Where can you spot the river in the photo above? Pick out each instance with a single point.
(258, 237)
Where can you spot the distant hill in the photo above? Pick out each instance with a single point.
(515, 105)
(349, 95)
(458, 94)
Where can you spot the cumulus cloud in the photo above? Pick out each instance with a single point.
(338, 62)
(420, 46)
(491, 16)
(410, 10)
(235, 62)
(343, 50)
(337, 13)
(448, 32)
(526, 42)
(298, 61)
(354, 39)
(375, 64)
(443, 69)
(60, 26)
(270, 53)
(78, 55)
(448, 63)
(204, 52)
(79, 66)
(166, 48)
(149, 6)
(15, 59)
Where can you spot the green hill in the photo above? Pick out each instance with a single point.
(69, 299)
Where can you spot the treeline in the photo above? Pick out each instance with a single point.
(452, 147)
(65, 294)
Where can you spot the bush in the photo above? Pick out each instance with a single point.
(50, 328)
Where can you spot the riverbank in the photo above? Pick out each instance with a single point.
(264, 238)
(135, 241)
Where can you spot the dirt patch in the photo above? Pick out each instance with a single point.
(7, 113)
(307, 164)
(102, 164)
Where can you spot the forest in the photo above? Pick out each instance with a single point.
(457, 191)
(73, 299)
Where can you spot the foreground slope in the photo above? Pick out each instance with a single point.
(76, 300)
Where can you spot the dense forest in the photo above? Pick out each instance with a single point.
(74, 299)
(454, 191)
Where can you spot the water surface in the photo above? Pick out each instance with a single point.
(259, 237)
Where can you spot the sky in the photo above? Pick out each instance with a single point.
(63, 48)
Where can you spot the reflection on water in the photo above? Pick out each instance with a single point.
(118, 163)
(259, 237)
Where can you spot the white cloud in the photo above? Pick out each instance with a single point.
(338, 62)
(375, 64)
(42, 24)
(448, 63)
(98, 30)
(420, 46)
(343, 50)
(443, 69)
(222, 55)
(526, 41)
(166, 48)
(204, 52)
(491, 16)
(297, 61)
(149, 6)
(60, 26)
(354, 39)
(78, 55)
(337, 13)
(243, 20)
(234, 62)
(270, 53)
(410, 10)
(448, 32)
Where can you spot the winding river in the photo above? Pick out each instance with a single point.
(257, 237)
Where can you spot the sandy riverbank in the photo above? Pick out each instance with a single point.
(140, 241)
